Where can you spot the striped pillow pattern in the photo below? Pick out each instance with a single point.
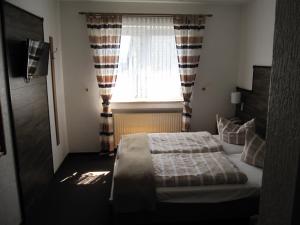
(254, 150)
(232, 133)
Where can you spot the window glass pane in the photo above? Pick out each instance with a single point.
(148, 68)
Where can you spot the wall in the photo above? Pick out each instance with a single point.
(218, 66)
(9, 203)
(257, 31)
(10, 213)
(49, 10)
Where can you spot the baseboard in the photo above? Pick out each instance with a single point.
(108, 154)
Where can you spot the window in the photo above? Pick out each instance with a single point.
(148, 67)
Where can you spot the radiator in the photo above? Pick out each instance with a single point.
(128, 123)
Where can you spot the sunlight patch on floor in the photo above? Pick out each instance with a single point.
(91, 177)
(69, 177)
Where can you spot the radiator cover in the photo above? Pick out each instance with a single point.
(129, 123)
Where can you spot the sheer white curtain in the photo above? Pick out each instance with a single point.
(148, 67)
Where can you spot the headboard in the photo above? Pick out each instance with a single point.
(255, 102)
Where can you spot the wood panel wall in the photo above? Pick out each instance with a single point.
(255, 102)
(29, 106)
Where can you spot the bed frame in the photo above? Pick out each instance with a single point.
(255, 105)
(207, 213)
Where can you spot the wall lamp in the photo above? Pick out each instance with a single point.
(236, 98)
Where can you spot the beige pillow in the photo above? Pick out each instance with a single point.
(254, 150)
(233, 133)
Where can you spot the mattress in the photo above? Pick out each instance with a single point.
(216, 193)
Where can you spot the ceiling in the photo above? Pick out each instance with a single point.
(171, 1)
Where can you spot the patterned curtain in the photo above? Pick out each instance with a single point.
(105, 37)
(189, 37)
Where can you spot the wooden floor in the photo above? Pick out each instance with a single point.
(79, 194)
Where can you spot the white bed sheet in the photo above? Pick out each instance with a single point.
(230, 148)
(216, 193)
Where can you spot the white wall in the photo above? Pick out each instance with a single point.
(49, 10)
(218, 66)
(257, 31)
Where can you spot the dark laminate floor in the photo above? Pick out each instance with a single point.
(69, 202)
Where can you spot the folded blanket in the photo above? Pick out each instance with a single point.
(192, 142)
(134, 184)
(180, 169)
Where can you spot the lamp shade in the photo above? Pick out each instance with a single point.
(236, 97)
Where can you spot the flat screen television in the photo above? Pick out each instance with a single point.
(37, 58)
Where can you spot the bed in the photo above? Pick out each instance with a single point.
(223, 201)
(187, 203)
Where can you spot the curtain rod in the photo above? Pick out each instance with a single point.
(142, 14)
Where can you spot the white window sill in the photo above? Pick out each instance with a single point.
(144, 107)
